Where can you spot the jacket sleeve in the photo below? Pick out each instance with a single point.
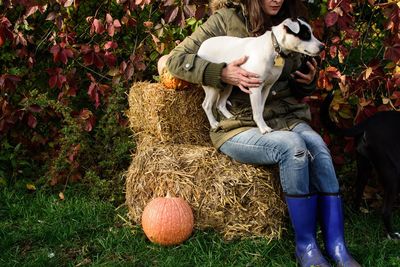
(186, 65)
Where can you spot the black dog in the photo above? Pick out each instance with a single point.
(378, 147)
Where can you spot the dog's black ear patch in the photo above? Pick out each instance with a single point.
(303, 34)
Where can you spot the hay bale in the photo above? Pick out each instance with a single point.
(170, 116)
(237, 200)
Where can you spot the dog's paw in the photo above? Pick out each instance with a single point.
(393, 236)
(265, 130)
(214, 125)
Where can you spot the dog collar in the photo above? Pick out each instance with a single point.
(277, 47)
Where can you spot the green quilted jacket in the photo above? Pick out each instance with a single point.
(282, 110)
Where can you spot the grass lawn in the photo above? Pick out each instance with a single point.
(39, 229)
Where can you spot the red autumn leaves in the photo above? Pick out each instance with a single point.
(91, 55)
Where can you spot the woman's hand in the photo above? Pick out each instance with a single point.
(233, 74)
(306, 78)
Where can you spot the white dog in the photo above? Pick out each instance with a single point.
(265, 57)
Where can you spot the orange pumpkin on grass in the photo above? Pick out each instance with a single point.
(167, 220)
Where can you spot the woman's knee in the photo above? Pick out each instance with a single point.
(294, 146)
(314, 141)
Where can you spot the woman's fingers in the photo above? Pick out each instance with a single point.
(250, 82)
(244, 89)
(235, 75)
(306, 78)
(243, 72)
(303, 78)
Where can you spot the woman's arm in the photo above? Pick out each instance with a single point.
(186, 65)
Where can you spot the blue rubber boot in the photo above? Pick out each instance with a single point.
(332, 226)
(303, 215)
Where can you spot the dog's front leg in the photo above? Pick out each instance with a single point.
(264, 94)
(257, 104)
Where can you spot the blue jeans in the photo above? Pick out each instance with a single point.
(305, 163)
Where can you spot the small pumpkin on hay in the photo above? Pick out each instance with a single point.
(171, 82)
(167, 79)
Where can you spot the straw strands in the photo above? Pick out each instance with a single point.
(170, 116)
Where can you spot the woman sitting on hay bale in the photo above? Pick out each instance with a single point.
(307, 174)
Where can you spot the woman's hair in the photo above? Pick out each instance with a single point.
(259, 22)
